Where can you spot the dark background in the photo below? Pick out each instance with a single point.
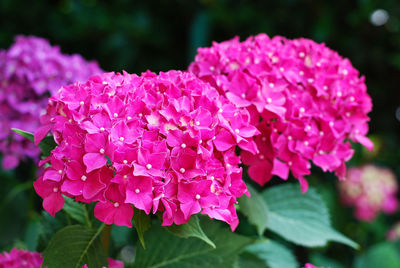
(163, 35)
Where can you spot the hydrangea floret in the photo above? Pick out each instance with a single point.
(30, 71)
(306, 100)
(156, 142)
(370, 189)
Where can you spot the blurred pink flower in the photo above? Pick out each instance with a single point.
(370, 189)
(31, 70)
(18, 258)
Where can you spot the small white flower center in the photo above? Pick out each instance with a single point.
(301, 73)
(301, 54)
(102, 129)
(331, 124)
(125, 176)
(125, 161)
(183, 145)
(137, 190)
(83, 178)
(289, 138)
(321, 133)
(149, 166)
(302, 110)
(197, 123)
(55, 189)
(182, 170)
(237, 131)
(60, 171)
(306, 143)
(339, 94)
(121, 138)
(116, 204)
(271, 85)
(325, 87)
(115, 115)
(197, 196)
(269, 100)
(243, 95)
(102, 151)
(82, 103)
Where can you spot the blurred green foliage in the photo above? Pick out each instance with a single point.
(161, 35)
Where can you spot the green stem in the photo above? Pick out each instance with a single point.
(89, 223)
(105, 238)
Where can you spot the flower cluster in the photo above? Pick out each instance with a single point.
(18, 258)
(31, 70)
(158, 142)
(304, 98)
(369, 189)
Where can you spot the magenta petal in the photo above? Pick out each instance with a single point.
(280, 169)
(123, 215)
(94, 161)
(41, 132)
(104, 212)
(51, 174)
(53, 203)
(260, 172)
(224, 141)
(190, 208)
(73, 187)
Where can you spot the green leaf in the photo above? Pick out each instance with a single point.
(190, 229)
(142, 222)
(76, 210)
(74, 246)
(255, 209)
(46, 145)
(167, 250)
(32, 233)
(380, 255)
(25, 134)
(273, 254)
(249, 260)
(301, 218)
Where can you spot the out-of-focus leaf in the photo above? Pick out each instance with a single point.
(167, 250)
(141, 222)
(255, 209)
(74, 246)
(273, 254)
(301, 218)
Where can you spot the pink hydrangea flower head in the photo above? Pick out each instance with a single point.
(30, 71)
(156, 142)
(305, 99)
(370, 189)
(18, 258)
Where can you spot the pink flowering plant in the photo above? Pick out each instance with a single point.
(167, 155)
(31, 70)
(306, 101)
